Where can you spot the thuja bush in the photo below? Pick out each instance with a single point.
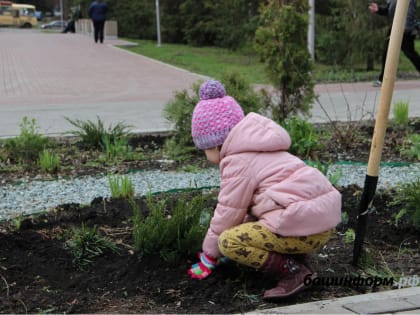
(28, 145)
(179, 110)
(281, 42)
(174, 228)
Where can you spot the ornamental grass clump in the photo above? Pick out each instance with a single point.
(400, 112)
(92, 134)
(49, 161)
(115, 148)
(86, 243)
(121, 186)
(174, 228)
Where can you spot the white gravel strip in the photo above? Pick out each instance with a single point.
(37, 196)
(389, 176)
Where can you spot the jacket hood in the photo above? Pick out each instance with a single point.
(255, 133)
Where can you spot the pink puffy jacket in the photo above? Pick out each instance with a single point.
(261, 181)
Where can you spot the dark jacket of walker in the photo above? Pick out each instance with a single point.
(98, 11)
(410, 22)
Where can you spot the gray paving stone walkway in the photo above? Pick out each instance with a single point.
(402, 301)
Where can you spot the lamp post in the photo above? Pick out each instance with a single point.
(61, 13)
(158, 23)
(311, 29)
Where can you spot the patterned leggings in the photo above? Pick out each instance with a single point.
(250, 243)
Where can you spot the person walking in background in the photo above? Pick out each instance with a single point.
(272, 208)
(71, 25)
(409, 36)
(97, 12)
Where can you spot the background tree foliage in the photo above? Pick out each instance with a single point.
(136, 19)
(222, 23)
(229, 24)
(346, 34)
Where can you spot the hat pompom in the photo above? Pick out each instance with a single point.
(213, 119)
(211, 89)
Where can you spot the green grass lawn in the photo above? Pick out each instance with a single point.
(213, 62)
(210, 61)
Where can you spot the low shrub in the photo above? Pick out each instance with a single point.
(173, 228)
(408, 199)
(411, 147)
(238, 86)
(28, 145)
(303, 135)
(179, 111)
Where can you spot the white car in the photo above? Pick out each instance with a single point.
(54, 25)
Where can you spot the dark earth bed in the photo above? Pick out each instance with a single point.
(37, 273)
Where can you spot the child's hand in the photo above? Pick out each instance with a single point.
(373, 7)
(203, 268)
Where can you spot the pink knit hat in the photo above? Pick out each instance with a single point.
(214, 116)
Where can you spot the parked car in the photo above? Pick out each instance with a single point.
(54, 25)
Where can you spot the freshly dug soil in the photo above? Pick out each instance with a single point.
(38, 273)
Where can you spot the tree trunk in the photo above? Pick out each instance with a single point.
(369, 62)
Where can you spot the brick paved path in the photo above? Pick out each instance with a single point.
(49, 76)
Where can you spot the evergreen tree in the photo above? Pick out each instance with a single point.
(281, 41)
